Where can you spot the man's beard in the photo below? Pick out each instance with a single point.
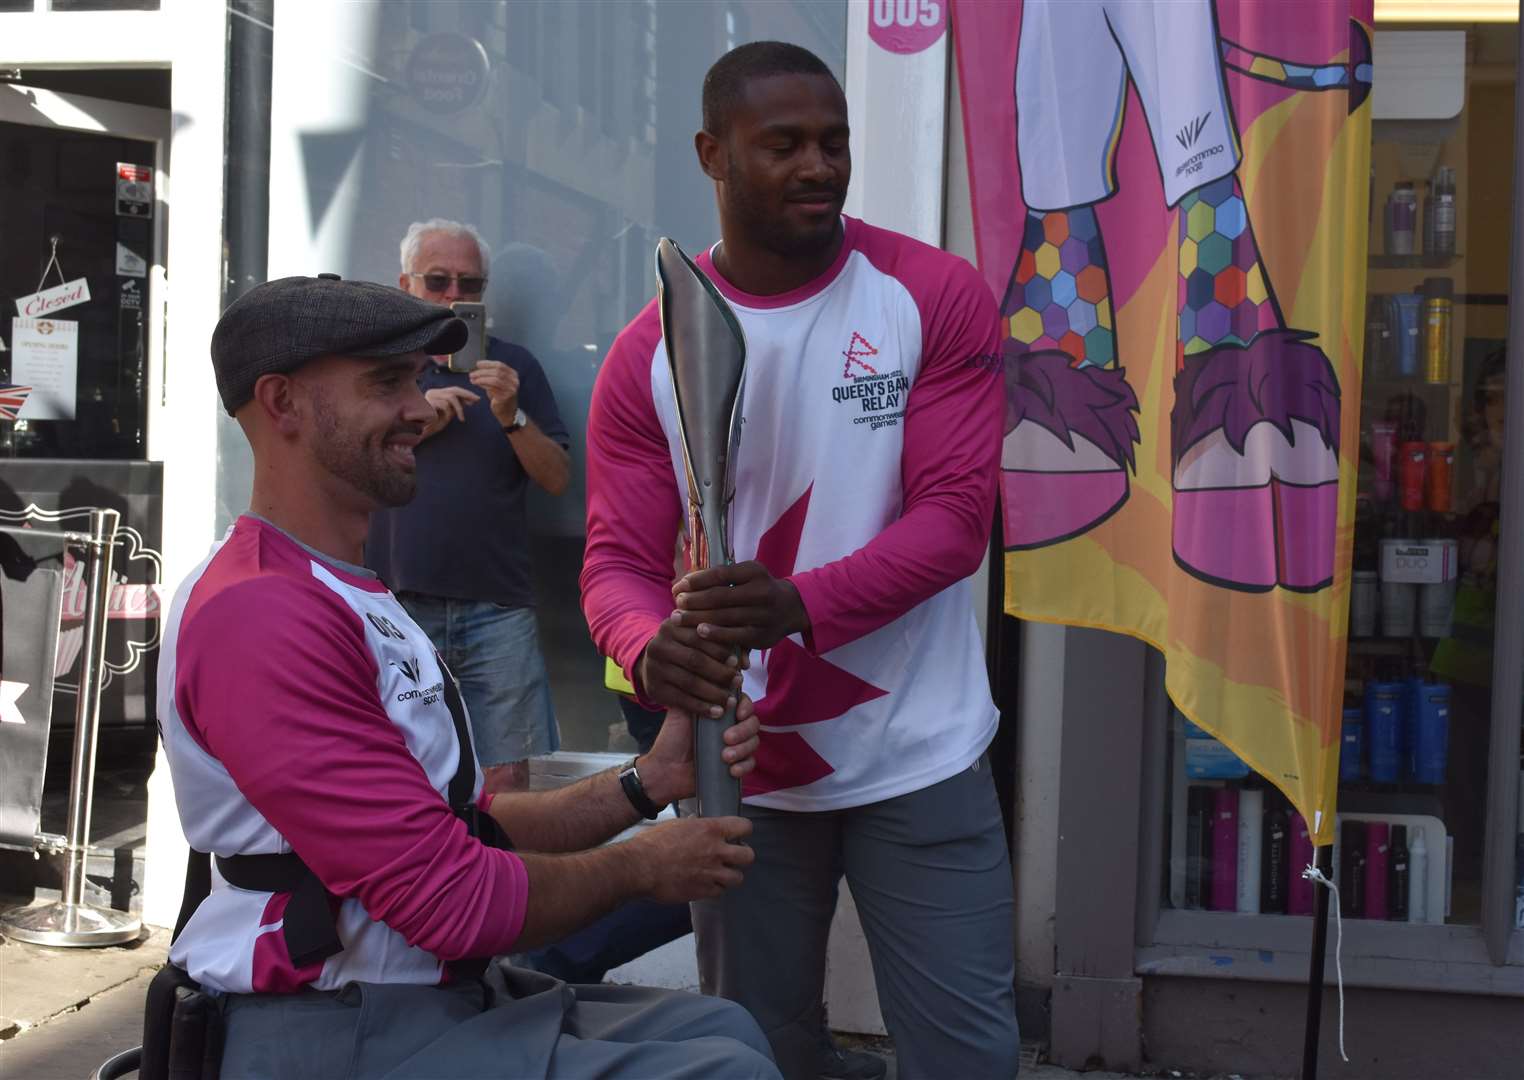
(770, 231)
(364, 468)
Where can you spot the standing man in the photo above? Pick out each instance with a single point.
(457, 556)
(864, 496)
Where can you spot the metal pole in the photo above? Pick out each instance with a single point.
(1323, 858)
(71, 921)
(87, 713)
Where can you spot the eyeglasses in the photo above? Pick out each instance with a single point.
(470, 284)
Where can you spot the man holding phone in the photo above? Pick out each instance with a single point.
(457, 556)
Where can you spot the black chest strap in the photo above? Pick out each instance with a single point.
(308, 923)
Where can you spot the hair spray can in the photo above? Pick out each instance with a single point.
(1436, 479)
(1251, 824)
(1401, 210)
(1442, 198)
(1384, 454)
(1196, 799)
(1299, 889)
(1377, 852)
(1412, 464)
(1352, 869)
(1224, 891)
(1397, 874)
(1364, 587)
(1418, 877)
(1274, 860)
(1438, 314)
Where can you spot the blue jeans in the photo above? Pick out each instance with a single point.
(494, 652)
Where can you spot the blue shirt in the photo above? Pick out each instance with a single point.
(465, 535)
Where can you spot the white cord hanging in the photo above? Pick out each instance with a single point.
(53, 264)
(1313, 874)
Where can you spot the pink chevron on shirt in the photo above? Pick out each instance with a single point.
(866, 476)
(303, 710)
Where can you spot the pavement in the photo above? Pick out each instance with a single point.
(65, 1011)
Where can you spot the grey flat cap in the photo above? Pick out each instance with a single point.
(278, 326)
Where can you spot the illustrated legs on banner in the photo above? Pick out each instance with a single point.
(1255, 424)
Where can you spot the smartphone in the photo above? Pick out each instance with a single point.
(474, 315)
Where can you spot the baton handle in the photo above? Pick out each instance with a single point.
(719, 793)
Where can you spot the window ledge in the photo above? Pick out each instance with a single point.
(1277, 948)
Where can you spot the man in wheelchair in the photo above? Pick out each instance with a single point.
(360, 881)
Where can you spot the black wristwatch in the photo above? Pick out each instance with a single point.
(519, 420)
(635, 791)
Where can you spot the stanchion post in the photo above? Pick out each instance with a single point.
(70, 921)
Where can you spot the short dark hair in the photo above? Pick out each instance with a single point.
(726, 81)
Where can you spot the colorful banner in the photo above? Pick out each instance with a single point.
(1171, 199)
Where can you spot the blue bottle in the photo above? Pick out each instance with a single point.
(1352, 745)
(1412, 690)
(1383, 730)
(1431, 750)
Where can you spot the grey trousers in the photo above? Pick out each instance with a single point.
(931, 879)
(511, 1024)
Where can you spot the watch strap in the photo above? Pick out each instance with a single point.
(635, 791)
(519, 420)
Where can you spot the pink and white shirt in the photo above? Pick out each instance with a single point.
(302, 709)
(866, 476)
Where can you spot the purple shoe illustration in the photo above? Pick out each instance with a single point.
(1255, 443)
(1069, 436)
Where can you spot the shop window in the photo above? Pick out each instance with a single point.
(1418, 704)
(77, 256)
(564, 133)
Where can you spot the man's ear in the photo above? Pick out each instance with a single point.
(278, 402)
(403, 280)
(711, 155)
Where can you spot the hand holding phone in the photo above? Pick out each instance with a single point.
(474, 315)
(501, 384)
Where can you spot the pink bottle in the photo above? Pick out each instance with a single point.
(1377, 846)
(1299, 895)
(1224, 895)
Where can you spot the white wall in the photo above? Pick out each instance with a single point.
(183, 406)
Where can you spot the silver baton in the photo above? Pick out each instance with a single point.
(707, 353)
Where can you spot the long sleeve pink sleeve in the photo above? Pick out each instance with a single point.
(302, 733)
(949, 471)
(634, 514)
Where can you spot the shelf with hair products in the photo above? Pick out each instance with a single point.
(1417, 707)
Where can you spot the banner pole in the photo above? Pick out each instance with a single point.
(1323, 859)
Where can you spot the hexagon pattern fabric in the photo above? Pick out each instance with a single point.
(1059, 296)
(1223, 297)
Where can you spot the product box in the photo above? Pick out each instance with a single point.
(1194, 732)
(1208, 759)
(1419, 562)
